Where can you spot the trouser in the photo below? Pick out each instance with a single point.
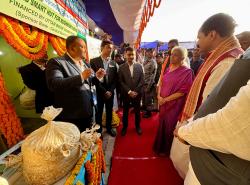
(147, 99)
(135, 102)
(119, 96)
(108, 108)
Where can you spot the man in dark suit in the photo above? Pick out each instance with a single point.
(71, 79)
(131, 81)
(105, 89)
(33, 76)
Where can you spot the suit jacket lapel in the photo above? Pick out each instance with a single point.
(134, 71)
(100, 62)
(127, 70)
(86, 64)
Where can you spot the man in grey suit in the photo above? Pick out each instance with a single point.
(131, 83)
(70, 79)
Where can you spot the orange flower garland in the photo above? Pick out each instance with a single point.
(147, 13)
(90, 171)
(29, 41)
(26, 27)
(11, 34)
(58, 44)
(76, 169)
(62, 42)
(32, 39)
(96, 167)
(10, 125)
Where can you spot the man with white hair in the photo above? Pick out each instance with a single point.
(216, 39)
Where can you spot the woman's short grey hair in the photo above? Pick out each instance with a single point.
(182, 50)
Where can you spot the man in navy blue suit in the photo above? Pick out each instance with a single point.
(70, 79)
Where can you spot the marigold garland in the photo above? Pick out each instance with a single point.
(58, 44)
(30, 38)
(147, 13)
(62, 42)
(29, 41)
(79, 183)
(90, 171)
(12, 37)
(26, 27)
(96, 167)
(76, 170)
(115, 119)
(10, 125)
(18, 39)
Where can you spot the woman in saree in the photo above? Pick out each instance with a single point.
(176, 82)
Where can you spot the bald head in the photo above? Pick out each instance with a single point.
(244, 39)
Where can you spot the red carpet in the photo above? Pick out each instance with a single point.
(133, 161)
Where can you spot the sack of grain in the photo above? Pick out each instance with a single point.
(51, 151)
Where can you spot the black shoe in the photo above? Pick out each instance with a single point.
(124, 131)
(139, 131)
(143, 107)
(147, 115)
(112, 132)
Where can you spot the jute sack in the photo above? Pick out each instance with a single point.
(27, 99)
(51, 151)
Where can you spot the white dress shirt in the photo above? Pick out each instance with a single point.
(40, 66)
(131, 69)
(81, 66)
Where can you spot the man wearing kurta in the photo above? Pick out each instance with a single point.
(220, 152)
(216, 39)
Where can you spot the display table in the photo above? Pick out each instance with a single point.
(89, 169)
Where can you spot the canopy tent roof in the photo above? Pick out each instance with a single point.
(114, 18)
(149, 44)
(164, 45)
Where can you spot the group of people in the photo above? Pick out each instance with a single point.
(203, 102)
(209, 112)
(80, 87)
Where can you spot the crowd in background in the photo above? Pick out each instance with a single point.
(189, 89)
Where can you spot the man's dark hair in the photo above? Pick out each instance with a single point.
(174, 41)
(118, 55)
(129, 49)
(126, 45)
(222, 23)
(70, 40)
(105, 42)
(159, 55)
(150, 49)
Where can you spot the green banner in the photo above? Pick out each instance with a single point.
(38, 14)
